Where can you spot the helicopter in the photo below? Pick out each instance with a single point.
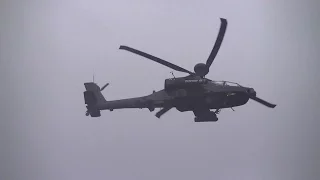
(194, 92)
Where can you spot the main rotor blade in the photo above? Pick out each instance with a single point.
(158, 60)
(218, 42)
(262, 102)
(163, 111)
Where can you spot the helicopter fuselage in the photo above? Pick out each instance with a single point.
(191, 93)
(185, 94)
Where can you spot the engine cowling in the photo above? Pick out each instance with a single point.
(181, 83)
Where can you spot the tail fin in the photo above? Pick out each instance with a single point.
(93, 97)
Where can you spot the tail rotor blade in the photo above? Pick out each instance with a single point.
(103, 87)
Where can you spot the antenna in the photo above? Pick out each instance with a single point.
(172, 74)
(93, 78)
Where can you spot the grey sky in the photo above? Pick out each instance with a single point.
(48, 49)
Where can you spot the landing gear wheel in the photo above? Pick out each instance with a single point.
(207, 117)
(213, 116)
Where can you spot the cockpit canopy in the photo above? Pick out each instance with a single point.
(187, 82)
(225, 83)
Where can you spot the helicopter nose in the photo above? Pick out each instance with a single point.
(251, 91)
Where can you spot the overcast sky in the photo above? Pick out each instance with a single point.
(48, 49)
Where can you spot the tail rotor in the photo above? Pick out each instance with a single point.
(103, 87)
(94, 98)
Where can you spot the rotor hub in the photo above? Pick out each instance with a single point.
(201, 69)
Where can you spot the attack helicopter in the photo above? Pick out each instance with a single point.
(194, 92)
